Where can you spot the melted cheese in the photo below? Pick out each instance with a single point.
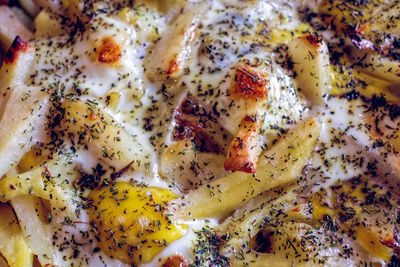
(146, 107)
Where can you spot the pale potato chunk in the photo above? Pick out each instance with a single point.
(22, 124)
(245, 147)
(281, 164)
(8, 32)
(40, 182)
(46, 25)
(310, 56)
(13, 246)
(38, 234)
(170, 54)
(376, 65)
(17, 63)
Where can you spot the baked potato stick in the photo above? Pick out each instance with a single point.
(22, 124)
(15, 250)
(376, 65)
(37, 234)
(46, 182)
(281, 164)
(246, 222)
(311, 63)
(244, 150)
(15, 69)
(170, 54)
(30, 6)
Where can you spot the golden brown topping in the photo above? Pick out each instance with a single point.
(249, 83)
(387, 242)
(314, 39)
(92, 116)
(175, 261)
(173, 66)
(243, 150)
(109, 51)
(16, 48)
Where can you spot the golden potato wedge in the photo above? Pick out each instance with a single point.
(13, 246)
(281, 164)
(245, 147)
(22, 124)
(170, 54)
(46, 25)
(310, 56)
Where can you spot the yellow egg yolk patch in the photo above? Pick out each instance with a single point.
(130, 221)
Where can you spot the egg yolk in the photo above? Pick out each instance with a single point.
(130, 222)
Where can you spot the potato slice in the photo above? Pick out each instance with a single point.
(245, 147)
(310, 56)
(38, 234)
(17, 63)
(170, 54)
(376, 65)
(42, 182)
(13, 246)
(281, 164)
(22, 124)
(46, 25)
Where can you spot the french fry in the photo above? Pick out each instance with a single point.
(15, 250)
(281, 164)
(17, 63)
(171, 53)
(310, 56)
(40, 182)
(245, 147)
(22, 124)
(46, 25)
